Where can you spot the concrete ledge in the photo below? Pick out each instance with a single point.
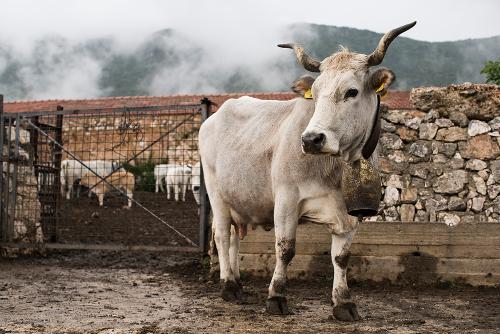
(399, 252)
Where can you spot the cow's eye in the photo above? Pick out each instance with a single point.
(350, 93)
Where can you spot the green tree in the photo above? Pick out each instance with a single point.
(492, 70)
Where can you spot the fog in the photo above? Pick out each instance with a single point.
(56, 49)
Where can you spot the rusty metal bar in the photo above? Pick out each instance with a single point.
(7, 196)
(14, 158)
(173, 108)
(3, 229)
(104, 247)
(56, 187)
(34, 142)
(204, 201)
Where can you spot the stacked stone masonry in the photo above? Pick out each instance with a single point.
(440, 162)
(26, 211)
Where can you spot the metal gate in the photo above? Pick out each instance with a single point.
(93, 178)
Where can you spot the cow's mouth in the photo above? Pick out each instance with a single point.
(313, 143)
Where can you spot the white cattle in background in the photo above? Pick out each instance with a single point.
(195, 182)
(178, 179)
(160, 173)
(73, 170)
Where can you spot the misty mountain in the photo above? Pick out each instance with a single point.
(416, 63)
(168, 62)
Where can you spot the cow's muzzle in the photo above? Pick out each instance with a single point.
(313, 142)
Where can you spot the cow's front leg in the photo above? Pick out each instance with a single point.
(344, 309)
(285, 223)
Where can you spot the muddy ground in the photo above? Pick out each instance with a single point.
(103, 292)
(83, 220)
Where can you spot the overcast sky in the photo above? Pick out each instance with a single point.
(23, 21)
(233, 34)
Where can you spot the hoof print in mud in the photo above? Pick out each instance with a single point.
(277, 305)
(346, 312)
(231, 291)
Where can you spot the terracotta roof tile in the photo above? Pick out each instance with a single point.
(398, 99)
(394, 100)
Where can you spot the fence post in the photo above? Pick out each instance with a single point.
(56, 190)
(3, 225)
(204, 201)
(13, 166)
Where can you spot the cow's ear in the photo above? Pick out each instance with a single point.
(303, 84)
(381, 79)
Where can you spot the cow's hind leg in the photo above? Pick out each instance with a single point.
(285, 223)
(183, 191)
(100, 197)
(161, 181)
(344, 308)
(177, 190)
(222, 220)
(234, 254)
(168, 190)
(130, 196)
(157, 184)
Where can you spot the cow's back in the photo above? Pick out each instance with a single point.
(237, 146)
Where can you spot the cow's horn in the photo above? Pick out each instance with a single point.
(303, 58)
(378, 54)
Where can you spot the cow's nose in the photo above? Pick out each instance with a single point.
(313, 142)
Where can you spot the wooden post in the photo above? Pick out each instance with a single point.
(204, 201)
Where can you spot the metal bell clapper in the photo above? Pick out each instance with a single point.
(361, 188)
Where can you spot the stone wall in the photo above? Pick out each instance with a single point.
(440, 161)
(26, 221)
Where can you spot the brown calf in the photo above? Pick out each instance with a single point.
(120, 179)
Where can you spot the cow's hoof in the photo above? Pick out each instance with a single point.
(277, 305)
(231, 291)
(346, 312)
(240, 284)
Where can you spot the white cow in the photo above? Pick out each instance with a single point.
(160, 172)
(73, 170)
(178, 179)
(195, 182)
(280, 162)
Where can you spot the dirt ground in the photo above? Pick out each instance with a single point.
(106, 292)
(83, 220)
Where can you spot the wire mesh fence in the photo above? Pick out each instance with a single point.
(127, 176)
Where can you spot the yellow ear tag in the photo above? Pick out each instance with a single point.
(308, 94)
(381, 88)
